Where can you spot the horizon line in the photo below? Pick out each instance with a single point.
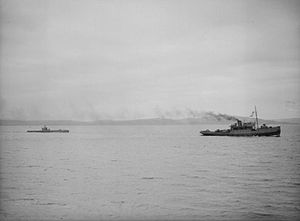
(153, 118)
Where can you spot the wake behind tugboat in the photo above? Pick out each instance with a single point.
(47, 130)
(245, 129)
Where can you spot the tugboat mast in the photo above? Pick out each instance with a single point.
(256, 118)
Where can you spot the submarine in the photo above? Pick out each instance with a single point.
(48, 130)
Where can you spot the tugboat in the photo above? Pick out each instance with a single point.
(245, 129)
(47, 130)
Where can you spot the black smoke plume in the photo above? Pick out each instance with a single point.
(219, 116)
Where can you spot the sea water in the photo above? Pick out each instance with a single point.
(148, 172)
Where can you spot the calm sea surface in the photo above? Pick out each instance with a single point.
(148, 172)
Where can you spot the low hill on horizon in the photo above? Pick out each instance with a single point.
(150, 121)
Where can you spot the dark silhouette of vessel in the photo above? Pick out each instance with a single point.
(47, 130)
(245, 129)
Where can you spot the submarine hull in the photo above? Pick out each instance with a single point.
(48, 131)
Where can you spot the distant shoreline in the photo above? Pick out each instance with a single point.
(151, 121)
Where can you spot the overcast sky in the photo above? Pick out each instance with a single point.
(87, 60)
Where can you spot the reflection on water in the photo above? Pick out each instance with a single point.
(148, 172)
